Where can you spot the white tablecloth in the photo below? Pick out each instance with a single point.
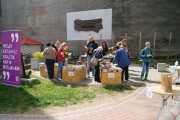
(174, 68)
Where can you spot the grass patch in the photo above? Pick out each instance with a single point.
(45, 93)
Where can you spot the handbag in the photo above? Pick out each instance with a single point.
(94, 61)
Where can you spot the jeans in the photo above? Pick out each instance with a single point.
(125, 71)
(88, 65)
(97, 73)
(50, 67)
(145, 69)
(59, 73)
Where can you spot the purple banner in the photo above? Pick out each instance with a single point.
(11, 58)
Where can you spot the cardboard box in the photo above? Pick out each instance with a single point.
(111, 78)
(73, 75)
(43, 70)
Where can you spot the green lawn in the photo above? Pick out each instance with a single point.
(44, 93)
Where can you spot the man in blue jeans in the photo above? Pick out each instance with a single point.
(146, 55)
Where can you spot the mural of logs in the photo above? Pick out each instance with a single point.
(88, 25)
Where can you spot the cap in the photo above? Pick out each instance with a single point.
(147, 43)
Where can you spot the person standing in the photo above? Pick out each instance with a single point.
(147, 56)
(124, 44)
(105, 48)
(89, 49)
(123, 61)
(58, 44)
(50, 54)
(61, 60)
(98, 54)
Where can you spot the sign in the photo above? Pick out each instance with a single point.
(81, 24)
(11, 58)
(88, 25)
(149, 92)
(71, 73)
(110, 75)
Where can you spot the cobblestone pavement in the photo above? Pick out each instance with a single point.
(136, 106)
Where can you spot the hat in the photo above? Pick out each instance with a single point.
(147, 43)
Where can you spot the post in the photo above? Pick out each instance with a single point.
(170, 36)
(126, 36)
(100, 41)
(140, 36)
(154, 43)
(112, 41)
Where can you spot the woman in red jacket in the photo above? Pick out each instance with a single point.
(61, 60)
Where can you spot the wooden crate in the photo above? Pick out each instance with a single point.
(43, 71)
(73, 75)
(83, 73)
(111, 78)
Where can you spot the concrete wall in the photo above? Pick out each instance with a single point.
(30, 48)
(45, 20)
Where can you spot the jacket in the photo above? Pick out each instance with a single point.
(144, 54)
(98, 54)
(121, 58)
(60, 57)
(93, 45)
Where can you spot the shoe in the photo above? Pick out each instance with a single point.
(146, 79)
(142, 78)
(58, 79)
(127, 80)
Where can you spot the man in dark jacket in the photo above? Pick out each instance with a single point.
(89, 49)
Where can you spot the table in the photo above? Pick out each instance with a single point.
(83, 58)
(109, 56)
(158, 90)
(175, 68)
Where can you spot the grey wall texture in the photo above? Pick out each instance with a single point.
(45, 20)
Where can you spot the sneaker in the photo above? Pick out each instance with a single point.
(146, 79)
(142, 78)
(127, 80)
(58, 79)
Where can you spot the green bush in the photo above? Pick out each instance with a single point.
(38, 55)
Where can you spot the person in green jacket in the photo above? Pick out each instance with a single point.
(147, 56)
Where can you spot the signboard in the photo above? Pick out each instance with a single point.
(110, 75)
(71, 73)
(149, 92)
(97, 23)
(88, 25)
(11, 58)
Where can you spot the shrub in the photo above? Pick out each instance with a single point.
(38, 55)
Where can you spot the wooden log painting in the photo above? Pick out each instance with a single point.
(88, 25)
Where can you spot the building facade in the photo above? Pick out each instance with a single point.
(156, 21)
